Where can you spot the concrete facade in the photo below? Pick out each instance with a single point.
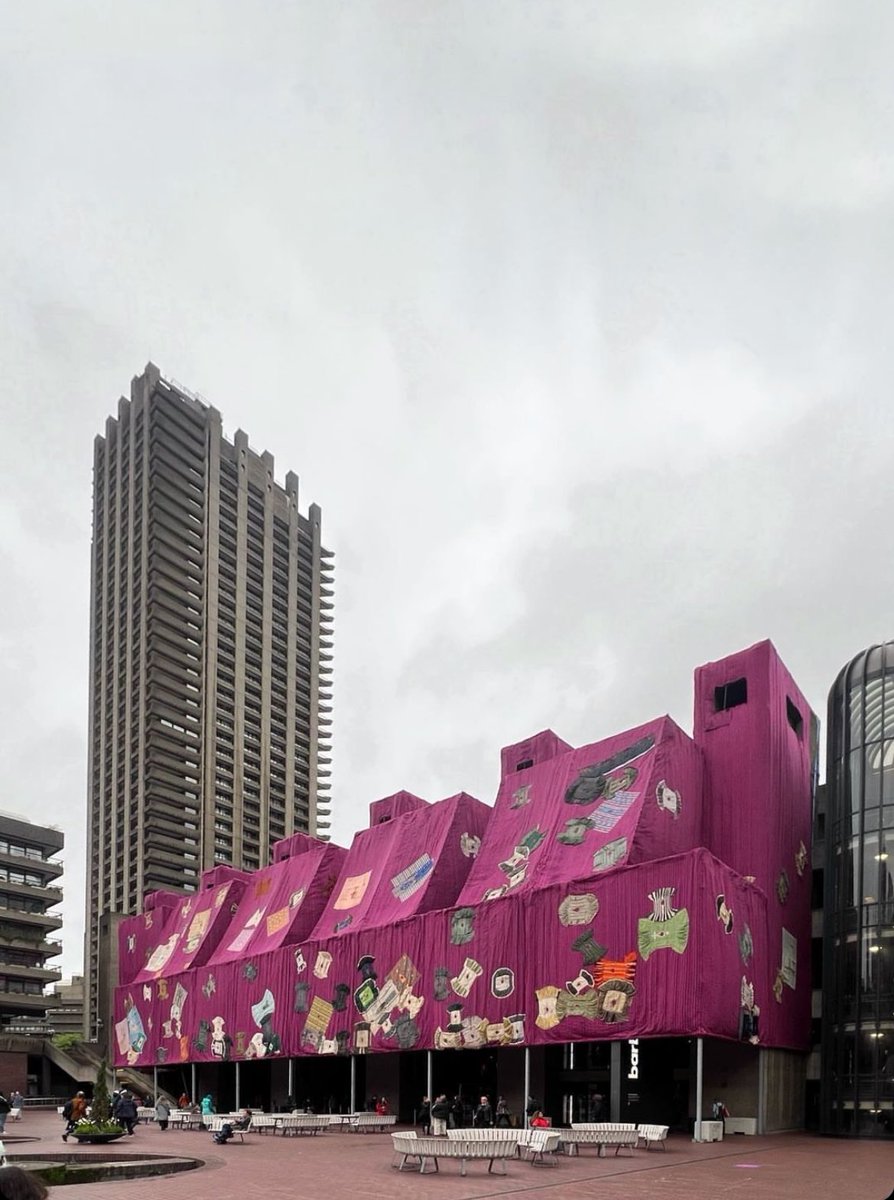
(29, 878)
(210, 651)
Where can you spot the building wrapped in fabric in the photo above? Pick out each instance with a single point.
(621, 904)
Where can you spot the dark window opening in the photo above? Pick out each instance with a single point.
(730, 695)
(384, 817)
(524, 764)
(794, 717)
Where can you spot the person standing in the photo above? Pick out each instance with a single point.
(504, 1117)
(75, 1110)
(424, 1116)
(184, 1103)
(125, 1112)
(17, 1102)
(484, 1114)
(162, 1113)
(440, 1111)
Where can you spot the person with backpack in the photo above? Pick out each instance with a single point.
(73, 1111)
(125, 1111)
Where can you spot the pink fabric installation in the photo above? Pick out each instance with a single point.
(645, 885)
(409, 863)
(138, 936)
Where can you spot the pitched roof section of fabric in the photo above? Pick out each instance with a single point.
(191, 936)
(281, 903)
(583, 811)
(411, 863)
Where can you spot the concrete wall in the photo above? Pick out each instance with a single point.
(731, 1074)
(783, 1074)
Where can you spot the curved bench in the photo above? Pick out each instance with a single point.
(370, 1122)
(653, 1135)
(576, 1137)
(430, 1149)
(484, 1135)
(298, 1123)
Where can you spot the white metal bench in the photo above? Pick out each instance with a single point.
(618, 1135)
(293, 1126)
(216, 1123)
(370, 1122)
(484, 1135)
(539, 1142)
(653, 1135)
(424, 1150)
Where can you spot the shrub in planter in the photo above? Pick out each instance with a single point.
(97, 1131)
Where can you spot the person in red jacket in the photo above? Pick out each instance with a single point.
(382, 1106)
(539, 1121)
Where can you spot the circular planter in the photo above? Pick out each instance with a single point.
(97, 1139)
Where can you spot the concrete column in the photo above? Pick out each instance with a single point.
(154, 1084)
(527, 1082)
(291, 1087)
(238, 1097)
(192, 1093)
(615, 1083)
(699, 1082)
(353, 1083)
(429, 1078)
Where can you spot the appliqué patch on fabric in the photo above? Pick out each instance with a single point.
(578, 909)
(352, 891)
(411, 879)
(668, 799)
(610, 854)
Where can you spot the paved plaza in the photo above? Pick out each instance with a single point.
(344, 1164)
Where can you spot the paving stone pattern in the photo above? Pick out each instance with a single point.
(346, 1165)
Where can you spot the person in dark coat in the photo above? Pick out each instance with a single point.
(424, 1116)
(125, 1111)
(484, 1114)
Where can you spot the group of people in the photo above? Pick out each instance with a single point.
(436, 1116)
(10, 1108)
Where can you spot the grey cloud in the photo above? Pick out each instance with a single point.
(573, 317)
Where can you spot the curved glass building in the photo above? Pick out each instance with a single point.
(858, 950)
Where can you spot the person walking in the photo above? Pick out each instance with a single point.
(162, 1113)
(504, 1117)
(75, 1110)
(484, 1115)
(440, 1111)
(125, 1111)
(206, 1108)
(424, 1116)
(17, 1103)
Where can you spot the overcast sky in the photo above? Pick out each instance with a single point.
(575, 319)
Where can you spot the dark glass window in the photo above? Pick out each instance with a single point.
(731, 695)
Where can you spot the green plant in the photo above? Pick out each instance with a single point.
(101, 1109)
(65, 1041)
(89, 1127)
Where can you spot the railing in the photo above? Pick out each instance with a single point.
(45, 1101)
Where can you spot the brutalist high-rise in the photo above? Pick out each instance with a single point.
(210, 657)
